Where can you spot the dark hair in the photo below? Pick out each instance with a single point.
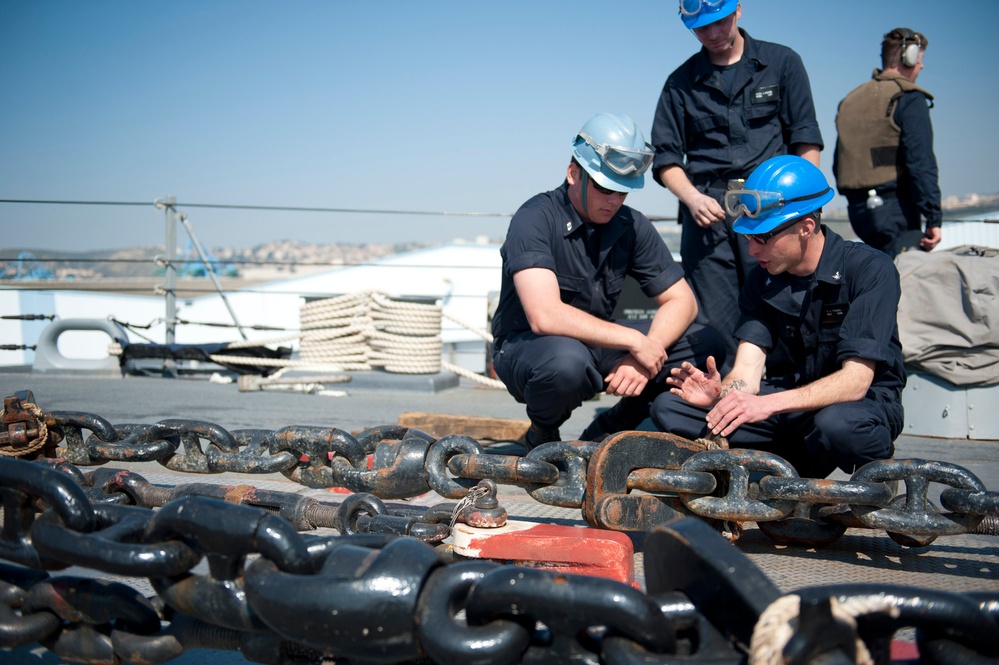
(891, 46)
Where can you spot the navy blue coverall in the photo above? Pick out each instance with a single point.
(720, 131)
(808, 326)
(553, 374)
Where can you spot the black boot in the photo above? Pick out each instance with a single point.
(537, 435)
(627, 414)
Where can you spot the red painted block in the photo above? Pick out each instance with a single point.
(566, 549)
(904, 651)
(344, 490)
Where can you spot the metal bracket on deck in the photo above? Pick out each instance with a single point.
(48, 358)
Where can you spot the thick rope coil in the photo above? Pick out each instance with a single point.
(334, 331)
(346, 321)
(776, 626)
(247, 343)
(405, 337)
(361, 331)
(35, 444)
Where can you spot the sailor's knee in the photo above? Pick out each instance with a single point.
(855, 433)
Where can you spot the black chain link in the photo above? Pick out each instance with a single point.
(281, 597)
(678, 477)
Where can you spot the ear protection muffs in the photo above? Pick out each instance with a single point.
(911, 43)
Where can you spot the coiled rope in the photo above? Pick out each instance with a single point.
(776, 626)
(364, 331)
(36, 443)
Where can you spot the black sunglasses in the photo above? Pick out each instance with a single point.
(764, 238)
(603, 190)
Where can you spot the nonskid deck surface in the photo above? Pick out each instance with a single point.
(963, 563)
(958, 563)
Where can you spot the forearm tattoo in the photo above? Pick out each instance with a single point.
(737, 384)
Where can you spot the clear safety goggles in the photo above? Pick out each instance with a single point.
(622, 161)
(754, 202)
(694, 7)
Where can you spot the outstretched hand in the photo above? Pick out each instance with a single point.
(695, 386)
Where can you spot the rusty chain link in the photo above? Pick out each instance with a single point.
(677, 477)
(680, 477)
(280, 596)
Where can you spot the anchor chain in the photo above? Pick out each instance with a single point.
(677, 477)
(279, 596)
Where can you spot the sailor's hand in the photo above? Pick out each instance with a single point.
(931, 238)
(737, 408)
(706, 210)
(627, 379)
(649, 354)
(694, 386)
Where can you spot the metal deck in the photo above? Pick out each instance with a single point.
(951, 563)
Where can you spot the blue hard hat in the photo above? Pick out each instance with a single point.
(699, 13)
(777, 191)
(613, 151)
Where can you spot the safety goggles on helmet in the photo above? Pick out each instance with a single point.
(753, 203)
(622, 161)
(695, 7)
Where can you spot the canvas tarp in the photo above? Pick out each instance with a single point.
(948, 316)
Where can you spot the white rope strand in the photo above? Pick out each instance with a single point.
(778, 622)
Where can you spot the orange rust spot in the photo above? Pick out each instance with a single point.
(239, 493)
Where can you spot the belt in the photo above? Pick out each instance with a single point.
(726, 184)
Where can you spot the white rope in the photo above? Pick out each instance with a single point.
(246, 343)
(776, 626)
(361, 331)
(334, 331)
(344, 366)
(469, 374)
(484, 334)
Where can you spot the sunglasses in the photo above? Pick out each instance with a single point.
(764, 238)
(604, 190)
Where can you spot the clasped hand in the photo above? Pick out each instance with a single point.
(630, 376)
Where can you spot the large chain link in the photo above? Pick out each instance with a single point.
(282, 597)
(677, 477)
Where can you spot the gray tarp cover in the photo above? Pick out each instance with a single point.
(948, 317)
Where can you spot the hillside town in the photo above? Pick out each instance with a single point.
(285, 258)
(268, 261)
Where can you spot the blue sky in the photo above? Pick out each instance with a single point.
(395, 105)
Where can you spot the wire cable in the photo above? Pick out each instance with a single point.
(237, 206)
